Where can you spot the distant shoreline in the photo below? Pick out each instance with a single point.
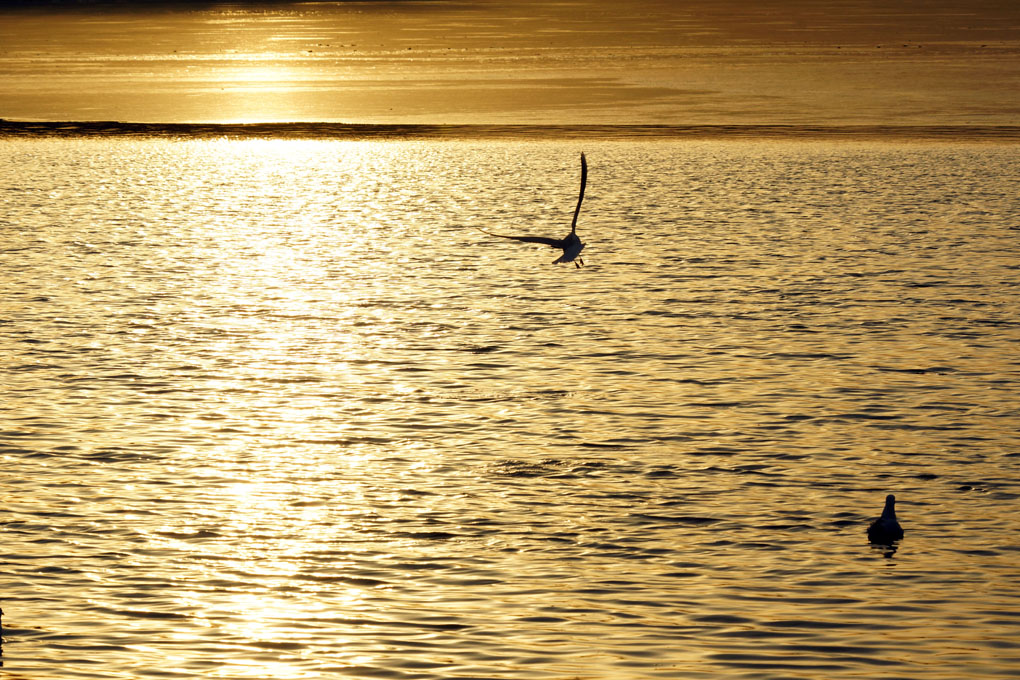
(349, 131)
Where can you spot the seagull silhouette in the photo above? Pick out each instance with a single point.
(886, 529)
(570, 244)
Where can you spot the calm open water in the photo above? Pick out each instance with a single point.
(276, 409)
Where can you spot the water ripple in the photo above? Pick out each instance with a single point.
(272, 410)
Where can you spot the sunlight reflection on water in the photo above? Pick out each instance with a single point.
(705, 61)
(277, 409)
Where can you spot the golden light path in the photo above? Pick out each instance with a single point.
(650, 61)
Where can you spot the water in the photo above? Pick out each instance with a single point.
(275, 408)
(709, 62)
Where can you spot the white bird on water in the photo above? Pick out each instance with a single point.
(886, 529)
(570, 244)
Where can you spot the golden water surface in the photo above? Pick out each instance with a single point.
(278, 409)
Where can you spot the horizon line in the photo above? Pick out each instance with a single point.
(338, 130)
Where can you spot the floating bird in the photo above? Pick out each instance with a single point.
(886, 529)
(570, 244)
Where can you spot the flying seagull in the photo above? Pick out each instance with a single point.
(570, 244)
(886, 529)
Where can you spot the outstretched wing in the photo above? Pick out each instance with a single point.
(580, 197)
(554, 242)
